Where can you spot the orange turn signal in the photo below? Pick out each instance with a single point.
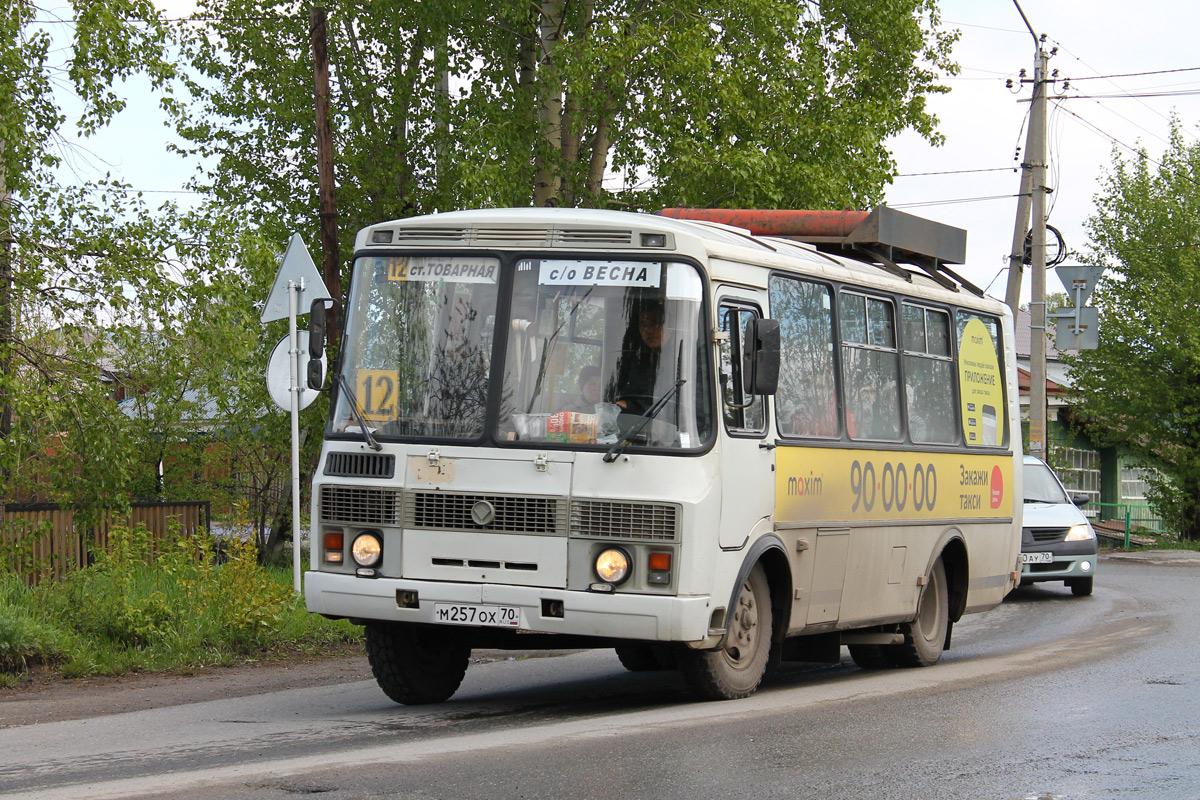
(660, 562)
(333, 547)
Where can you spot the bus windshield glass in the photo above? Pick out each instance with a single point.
(418, 346)
(603, 351)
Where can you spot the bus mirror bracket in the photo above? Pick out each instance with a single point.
(761, 359)
(317, 324)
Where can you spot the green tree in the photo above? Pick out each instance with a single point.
(1140, 389)
(478, 103)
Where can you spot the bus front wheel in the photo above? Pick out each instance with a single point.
(925, 636)
(735, 670)
(415, 665)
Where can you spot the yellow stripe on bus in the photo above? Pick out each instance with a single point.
(814, 484)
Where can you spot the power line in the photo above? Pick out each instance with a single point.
(955, 201)
(954, 172)
(1137, 74)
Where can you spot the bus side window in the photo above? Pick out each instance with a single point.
(870, 367)
(928, 376)
(743, 413)
(806, 402)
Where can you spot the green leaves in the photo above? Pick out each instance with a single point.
(1141, 388)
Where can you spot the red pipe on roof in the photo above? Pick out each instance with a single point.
(774, 222)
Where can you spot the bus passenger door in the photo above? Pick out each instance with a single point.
(747, 457)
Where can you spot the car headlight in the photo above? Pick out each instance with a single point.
(367, 549)
(1080, 533)
(612, 565)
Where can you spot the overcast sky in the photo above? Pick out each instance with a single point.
(980, 118)
(983, 120)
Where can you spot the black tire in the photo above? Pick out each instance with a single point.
(925, 636)
(1081, 587)
(871, 656)
(736, 670)
(415, 665)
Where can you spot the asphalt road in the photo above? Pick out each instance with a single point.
(1048, 697)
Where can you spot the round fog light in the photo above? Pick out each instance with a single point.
(367, 549)
(612, 565)
(1086, 566)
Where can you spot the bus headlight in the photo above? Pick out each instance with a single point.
(612, 566)
(367, 549)
(1080, 533)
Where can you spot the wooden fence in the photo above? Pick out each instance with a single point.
(44, 540)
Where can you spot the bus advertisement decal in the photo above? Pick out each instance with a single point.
(821, 484)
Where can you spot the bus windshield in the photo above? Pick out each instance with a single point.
(606, 350)
(599, 351)
(418, 346)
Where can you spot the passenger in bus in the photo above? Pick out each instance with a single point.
(637, 369)
(590, 391)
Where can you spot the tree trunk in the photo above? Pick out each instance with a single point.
(547, 179)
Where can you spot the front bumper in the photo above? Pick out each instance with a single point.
(1063, 567)
(620, 616)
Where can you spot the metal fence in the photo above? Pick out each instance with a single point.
(44, 540)
(1126, 524)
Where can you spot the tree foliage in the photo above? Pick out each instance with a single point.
(1141, 388)
(129, 337)
(481, 103)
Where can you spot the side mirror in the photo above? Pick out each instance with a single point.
(760, 362)
(317, 325)
(1080, 499)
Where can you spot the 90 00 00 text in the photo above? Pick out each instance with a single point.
(891, 488)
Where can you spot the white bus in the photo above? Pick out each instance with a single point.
(708, 447)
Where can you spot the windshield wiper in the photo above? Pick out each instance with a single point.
(358, 415)
(651, 413)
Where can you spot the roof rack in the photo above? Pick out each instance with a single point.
(883, 237)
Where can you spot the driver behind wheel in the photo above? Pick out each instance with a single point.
(637, 368)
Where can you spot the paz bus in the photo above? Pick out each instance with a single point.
(711, 440)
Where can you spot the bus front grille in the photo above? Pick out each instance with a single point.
(360, 465)
(491, 512)
(362, 505)
(609, 519)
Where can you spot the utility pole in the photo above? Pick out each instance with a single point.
(1032, 203)
(331, 269)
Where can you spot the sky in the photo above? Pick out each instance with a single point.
(982, 120)
(974, 184)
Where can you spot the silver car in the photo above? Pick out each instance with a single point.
(1057, 541)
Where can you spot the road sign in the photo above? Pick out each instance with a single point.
(1079, 281)
(298, 269)
(279, 373)
(1077, 328)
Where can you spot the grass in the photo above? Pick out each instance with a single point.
(139, 610)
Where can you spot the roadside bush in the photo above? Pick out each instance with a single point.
(145, 605)
(24, 640)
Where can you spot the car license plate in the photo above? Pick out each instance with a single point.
(1036, 558)
(464, 614)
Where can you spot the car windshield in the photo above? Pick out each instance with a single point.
(418, 346)
(1041, 486)
(601, 350)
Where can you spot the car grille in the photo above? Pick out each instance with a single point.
(1043, 535)
(611, 519)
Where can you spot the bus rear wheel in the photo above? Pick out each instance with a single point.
(415, 665)
(735, 670)
(925, 636)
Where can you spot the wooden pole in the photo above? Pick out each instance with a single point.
(331, 269)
